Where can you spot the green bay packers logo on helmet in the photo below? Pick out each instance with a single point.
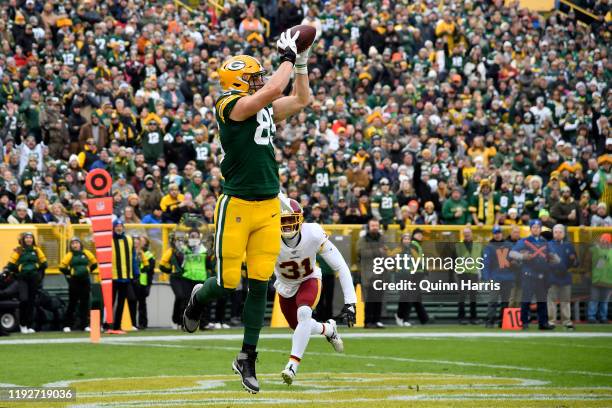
(236, 65)
(241, 73)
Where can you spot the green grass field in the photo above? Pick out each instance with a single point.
(437, 366)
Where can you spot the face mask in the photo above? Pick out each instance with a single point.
(193, 242)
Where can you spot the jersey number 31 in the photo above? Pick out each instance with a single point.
(294, 271)
(264, 124)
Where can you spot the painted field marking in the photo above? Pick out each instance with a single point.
(321, 388)
(389, 358)
(285, 336)
(546, 344)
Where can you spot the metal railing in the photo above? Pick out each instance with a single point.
(53, 239)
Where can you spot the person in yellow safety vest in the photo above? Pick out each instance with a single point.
(77, 265)
(601, 279)
(143, 287)
(125, 274)
(188, 264)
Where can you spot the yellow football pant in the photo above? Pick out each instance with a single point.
(246, 226)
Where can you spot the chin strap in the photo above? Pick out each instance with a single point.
(293, 241)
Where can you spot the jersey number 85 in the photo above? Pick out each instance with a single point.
(264, 123)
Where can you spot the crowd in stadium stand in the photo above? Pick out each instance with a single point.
(424, 112)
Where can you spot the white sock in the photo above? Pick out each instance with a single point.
(323, 329)
(301, 335)
(293, 364)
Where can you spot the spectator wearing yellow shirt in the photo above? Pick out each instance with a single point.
(362, 157)
(171, 203)
(446, 28)
(479, 151)
(376, 125)
(89, 155)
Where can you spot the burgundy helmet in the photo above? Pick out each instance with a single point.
(292, 217)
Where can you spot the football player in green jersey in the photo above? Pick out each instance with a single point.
(247, 216)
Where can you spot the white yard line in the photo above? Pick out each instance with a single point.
(285, 336)
(370, 357)
(542, 343)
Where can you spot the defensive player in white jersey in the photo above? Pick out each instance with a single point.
(298, 282)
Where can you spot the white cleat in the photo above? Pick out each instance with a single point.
(334, 338)
(288, 375)
(67, 329)
(399, 321)
(23, 329)
(87, 329)
(31, 330)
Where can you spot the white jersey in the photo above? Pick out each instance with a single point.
(295, 265)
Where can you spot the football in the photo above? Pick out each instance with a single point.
(306, 38)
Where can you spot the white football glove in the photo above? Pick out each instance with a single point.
(287, 47)
(302, 57)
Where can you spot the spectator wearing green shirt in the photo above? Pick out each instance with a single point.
(152, 142)
(455, 209)
(384, 204)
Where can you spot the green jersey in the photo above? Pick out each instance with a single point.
(202, 151)
(503, 200)
(386, 202)
(602, 266)
(249, 165)
(152, 146)
(323, 180)
(68, 57)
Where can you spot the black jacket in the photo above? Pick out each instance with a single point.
(371, 38)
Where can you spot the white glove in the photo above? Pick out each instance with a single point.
(302, 58)
(287, 47)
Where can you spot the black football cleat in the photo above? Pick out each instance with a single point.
(244, 365)
(192, 315)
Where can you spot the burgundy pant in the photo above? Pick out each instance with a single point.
(307, 295)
